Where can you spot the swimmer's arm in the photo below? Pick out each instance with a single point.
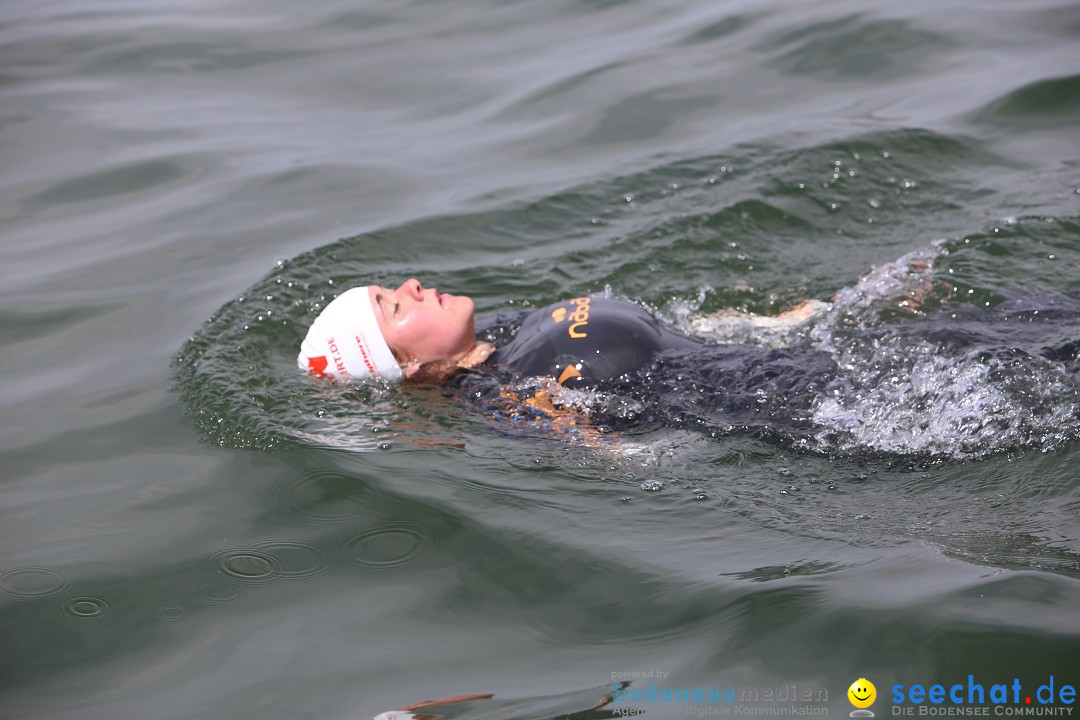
(906, 287)
(739, 326)
(803, 313)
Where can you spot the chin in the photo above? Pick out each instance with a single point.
(465, 308)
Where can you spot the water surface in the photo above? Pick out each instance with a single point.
(243, 546)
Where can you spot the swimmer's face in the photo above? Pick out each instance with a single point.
(423, 326)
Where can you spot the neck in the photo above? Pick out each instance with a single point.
(436, 372)
(479, 353)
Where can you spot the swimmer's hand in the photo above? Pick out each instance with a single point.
(737, 326)
(546, 408)
(796, 317)
(804, 313)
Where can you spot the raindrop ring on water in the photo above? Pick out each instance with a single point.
(33, 582)
(216, 592)
(296, 560)
(244, 565)
(86, 607)
(387, 546)
(171, 613)
(323, 495)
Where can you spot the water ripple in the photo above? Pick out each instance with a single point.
(296, 560)
(86, 607)
(387, 546)
(33, 582)
(323, 495)
(244, 565)
(218, 593)
(172, 613)
(1054, 101)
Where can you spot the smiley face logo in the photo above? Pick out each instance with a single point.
(862, 693)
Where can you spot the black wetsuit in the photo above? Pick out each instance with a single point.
(650, 374)
(586, 341)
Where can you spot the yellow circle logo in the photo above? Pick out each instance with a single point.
(862, 693)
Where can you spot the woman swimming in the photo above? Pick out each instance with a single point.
(901, 362)
(420, 334)
(893, 364)
(530, 366)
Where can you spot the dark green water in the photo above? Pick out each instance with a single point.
(191, 530)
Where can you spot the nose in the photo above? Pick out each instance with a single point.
(412, 288)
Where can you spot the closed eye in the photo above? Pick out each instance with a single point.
(384, 301)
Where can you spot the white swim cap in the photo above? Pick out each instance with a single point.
(345, 342)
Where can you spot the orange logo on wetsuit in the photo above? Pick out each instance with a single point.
(579, 318)
(570, 371)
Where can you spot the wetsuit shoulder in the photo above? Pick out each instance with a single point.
(587, 340)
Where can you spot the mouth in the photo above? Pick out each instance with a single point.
(444, 300)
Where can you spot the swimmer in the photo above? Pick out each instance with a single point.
(420, 335)
(589, 366)
(894, 364)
